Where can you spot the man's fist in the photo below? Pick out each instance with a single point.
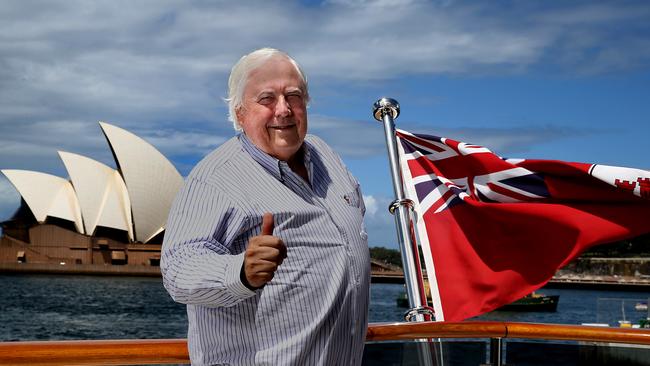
(264, 254)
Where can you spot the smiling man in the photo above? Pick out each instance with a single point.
(265, 242)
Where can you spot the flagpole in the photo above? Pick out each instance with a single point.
(386, 110)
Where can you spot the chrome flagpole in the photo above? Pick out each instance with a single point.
(386, 110)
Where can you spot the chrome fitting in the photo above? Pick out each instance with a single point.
(384, 106)
(403, 202)
(411, 315)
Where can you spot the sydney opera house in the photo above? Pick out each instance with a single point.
(99, 216)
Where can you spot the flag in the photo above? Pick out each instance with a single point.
(492, 230)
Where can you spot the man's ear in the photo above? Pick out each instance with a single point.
(239, 113)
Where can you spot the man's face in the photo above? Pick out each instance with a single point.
(274, 109)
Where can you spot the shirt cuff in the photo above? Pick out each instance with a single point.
(233, 280)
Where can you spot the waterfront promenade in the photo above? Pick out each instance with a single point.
(564, 280)
(568, 281)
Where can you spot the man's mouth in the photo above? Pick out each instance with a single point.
(282, 127)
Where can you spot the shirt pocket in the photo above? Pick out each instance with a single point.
(354, 198)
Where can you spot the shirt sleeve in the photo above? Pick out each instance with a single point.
(198, 262)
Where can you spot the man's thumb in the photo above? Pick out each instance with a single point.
(267, 224)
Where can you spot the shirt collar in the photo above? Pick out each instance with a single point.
(275, 167)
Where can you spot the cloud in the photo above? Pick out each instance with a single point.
(159, 69)
(181, 142)
(156, 64)
(377, 39)
(359, 139)
(510, 140)
(34, 145)
(371, 205)
(380, 224)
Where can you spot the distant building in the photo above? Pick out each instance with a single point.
(377, 266)
(99, 215)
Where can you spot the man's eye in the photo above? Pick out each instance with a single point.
(294, 98)
(265, 100)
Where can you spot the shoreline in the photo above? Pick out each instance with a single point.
(564, 281)
(595, 282)
(80, 269)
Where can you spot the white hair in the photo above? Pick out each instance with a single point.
(239, 77)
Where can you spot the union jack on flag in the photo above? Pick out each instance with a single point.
(493, 230)
(493, 180)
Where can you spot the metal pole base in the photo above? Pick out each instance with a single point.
(419, 313)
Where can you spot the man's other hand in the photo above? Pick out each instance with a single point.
(264, 254)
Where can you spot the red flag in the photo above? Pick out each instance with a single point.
(493, 230)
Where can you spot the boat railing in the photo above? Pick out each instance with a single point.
(174, 351)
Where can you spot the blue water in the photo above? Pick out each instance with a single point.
(48, 307)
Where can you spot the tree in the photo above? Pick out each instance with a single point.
(635, 247)
(386, 255)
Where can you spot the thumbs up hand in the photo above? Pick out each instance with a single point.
(264, 254)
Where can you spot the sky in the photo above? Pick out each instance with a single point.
(566, 80)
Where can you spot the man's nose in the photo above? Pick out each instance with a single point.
(282, 108)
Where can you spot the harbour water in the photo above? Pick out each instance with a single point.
(51, 307)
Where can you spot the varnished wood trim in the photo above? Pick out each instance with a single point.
(100, 352)
(405, 331)
(174, 351)
(578, 333)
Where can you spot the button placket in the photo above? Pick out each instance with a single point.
(298, 185)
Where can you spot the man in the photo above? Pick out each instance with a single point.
(265, 242)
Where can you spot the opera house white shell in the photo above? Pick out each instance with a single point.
(47, 195)
(135, 198)
(151, 180)
(101, 192)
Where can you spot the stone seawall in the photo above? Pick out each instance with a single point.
(604, 273)
(625, 267)
(80, 269)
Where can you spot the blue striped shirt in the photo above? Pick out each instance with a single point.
(314, 310)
